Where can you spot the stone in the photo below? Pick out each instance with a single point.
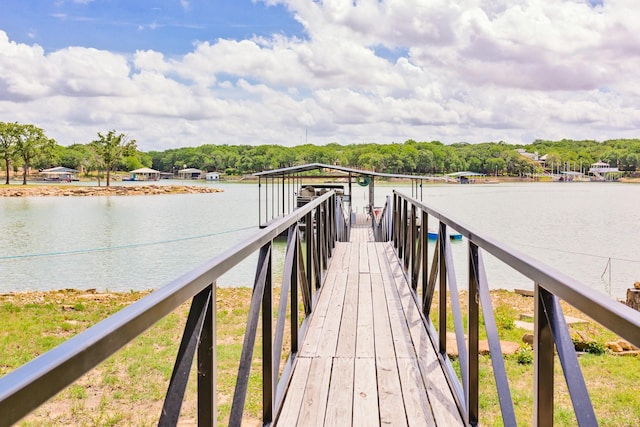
(626, 345)
(528, 339)
(614, 346)
(527, 326)
(507, 347)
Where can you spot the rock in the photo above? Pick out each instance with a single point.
(637, 285)
(528, 338)
(614, 346)
(52, 190)
(528, 326)
(507, 347)
(626, 345)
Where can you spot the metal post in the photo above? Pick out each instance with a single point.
(372, 198)
(414, 238)
(295, 275)
(308, 237)
(259, 200)
(283, 197)
(424, 238)
(268, 375)
(207, 405)
(543, 363)
(472, 397)
(442, 293)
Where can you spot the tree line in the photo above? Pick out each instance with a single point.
(27, 145)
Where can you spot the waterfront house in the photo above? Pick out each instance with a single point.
(190, 173)
(59, 173)
(144, 174)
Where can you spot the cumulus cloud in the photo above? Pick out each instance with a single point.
(466, 70)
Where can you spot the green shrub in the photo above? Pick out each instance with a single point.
(524, 355)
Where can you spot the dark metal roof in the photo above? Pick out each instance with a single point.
(314, 166)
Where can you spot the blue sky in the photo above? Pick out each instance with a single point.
(168, 26)
(174, 73)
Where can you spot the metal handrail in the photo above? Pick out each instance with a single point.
(409, 236)
(382, 226)
(26, 388)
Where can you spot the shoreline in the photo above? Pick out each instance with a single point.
(46, 190)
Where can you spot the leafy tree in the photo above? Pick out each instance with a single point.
(32, 142)
(496, 165)
(9, 135)
(111, 149)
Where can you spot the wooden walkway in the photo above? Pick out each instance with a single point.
(358, 362)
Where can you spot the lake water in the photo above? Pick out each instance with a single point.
(123, 243)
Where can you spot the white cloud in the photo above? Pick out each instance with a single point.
(472, 70)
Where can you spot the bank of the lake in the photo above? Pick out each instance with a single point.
(114, 190)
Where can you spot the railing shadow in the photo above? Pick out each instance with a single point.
(311, 232)
(409, 233)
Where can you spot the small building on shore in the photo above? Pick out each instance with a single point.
(143, 174)
(212, 176)
(190, 173)
(59, 174)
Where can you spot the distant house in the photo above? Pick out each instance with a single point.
(190, 173)
(143, 174)
(533, 156)
(59, 174)
(212, 176)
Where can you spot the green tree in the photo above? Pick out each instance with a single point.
(111, 149)
(496, 165)
(32, 142)
(9, 135)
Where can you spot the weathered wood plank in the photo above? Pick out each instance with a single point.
(381, 325)
(365, 341)
(295, 392)
(415, 396)
(348, 325)
(331, 328)
(444, 409)
(365, 394)
(392, 411)
(340, 399)
(314, 401)
(363, 265)
(314, 333)
(399, 330)
(374, 263)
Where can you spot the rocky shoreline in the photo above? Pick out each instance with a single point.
(129, 190)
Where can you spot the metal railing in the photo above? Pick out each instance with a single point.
(306, 258)
(410, 233)
(382, 227)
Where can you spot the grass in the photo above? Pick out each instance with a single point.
(612, 380)
(129, 387)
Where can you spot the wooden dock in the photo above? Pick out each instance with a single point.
(366, 358)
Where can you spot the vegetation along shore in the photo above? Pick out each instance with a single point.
(129, 387)
(25, 149)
